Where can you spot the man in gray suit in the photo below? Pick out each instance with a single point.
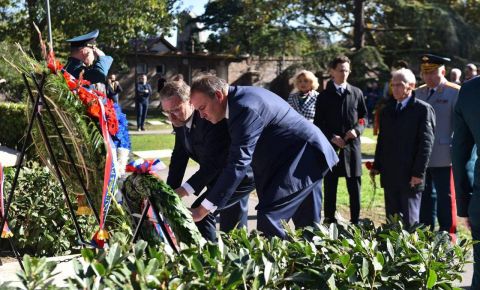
(438, 199)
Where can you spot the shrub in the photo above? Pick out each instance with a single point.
(13, 123)
(387, 257)
(38, 215)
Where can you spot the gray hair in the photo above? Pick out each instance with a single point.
(456, 71)
(406, 75)
(175, 89)
(209, 84)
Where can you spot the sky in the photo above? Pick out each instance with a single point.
(197, 6)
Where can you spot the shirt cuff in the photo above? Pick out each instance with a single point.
(188, 188)
(209, 206)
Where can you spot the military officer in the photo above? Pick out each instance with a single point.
(88, 59)
(438, 199)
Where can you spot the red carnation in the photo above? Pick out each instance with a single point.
(369, 165)
(361, 122)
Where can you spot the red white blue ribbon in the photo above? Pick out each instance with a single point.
(109, 178)
(6, 233)
(141, 166)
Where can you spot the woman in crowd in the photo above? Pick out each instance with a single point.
(304, 98)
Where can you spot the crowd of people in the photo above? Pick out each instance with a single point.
(247, 138)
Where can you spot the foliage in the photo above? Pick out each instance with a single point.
(38, 216)
(38, 273)
(387, 257)
(119, 22)
(13, 121)
(14, 87)
(140, 186)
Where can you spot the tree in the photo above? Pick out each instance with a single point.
(118, 23)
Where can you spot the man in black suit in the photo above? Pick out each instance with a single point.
(403, 148)
(207, 144)
(340, 114)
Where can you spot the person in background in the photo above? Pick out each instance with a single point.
(438, 199)
(470, 71)
(341, 114)
(113, 88)
(466, 123)
(387, 96)
(144, 91)
(403, 148)
(455, 75)
(88, 60)
(305, 96)
(372, 96)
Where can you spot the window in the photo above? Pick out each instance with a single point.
(141, 68)
(160, 69)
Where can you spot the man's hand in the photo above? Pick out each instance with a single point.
(374, 172)
(181, 192)
(199, 213)
(415, 181)
(352, 134)
(98, 52)
(337, 140)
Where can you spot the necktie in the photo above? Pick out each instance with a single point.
(188, 145)
(430, 93)
(340, 90)
(398, 108)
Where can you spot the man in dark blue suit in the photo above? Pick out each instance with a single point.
(288, 154)
(208, 145)
(466, 122)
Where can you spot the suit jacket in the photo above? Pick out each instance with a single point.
(335, 115)
(208, 146)
(97, 73)
(404, 143)
(287, 153)
(467, 134)
(443, 102)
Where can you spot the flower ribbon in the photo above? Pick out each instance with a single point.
(141, 166)
(109, 178)
(6, 233)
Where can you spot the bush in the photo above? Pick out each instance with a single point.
(39, 217)
(387, 257)
(13, 122)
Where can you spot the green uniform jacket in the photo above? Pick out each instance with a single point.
(466, 135)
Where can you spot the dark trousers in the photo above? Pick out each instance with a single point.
(330, 200)
(438, 200)
(405, 203)
(141, 107)
(303, 207)
(234, 214)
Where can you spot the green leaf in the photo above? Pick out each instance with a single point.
(364, 268)
(432, 279)
(113, 256)
(99, 269)
(345, 259)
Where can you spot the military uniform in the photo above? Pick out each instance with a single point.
(467, 135)
(438, 199)
(98, 71)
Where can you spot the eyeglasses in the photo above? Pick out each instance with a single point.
(175, 111)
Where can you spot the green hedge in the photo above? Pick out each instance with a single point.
(13, 123)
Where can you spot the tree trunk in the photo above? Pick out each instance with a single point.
(359, 24)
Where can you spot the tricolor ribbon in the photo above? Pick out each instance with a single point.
(6, 233)
(141, 166)
(109, 178)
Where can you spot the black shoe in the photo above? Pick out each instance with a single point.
(143, 129)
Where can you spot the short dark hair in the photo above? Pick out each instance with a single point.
(175, 89)
(337, 60)
(209, 84)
